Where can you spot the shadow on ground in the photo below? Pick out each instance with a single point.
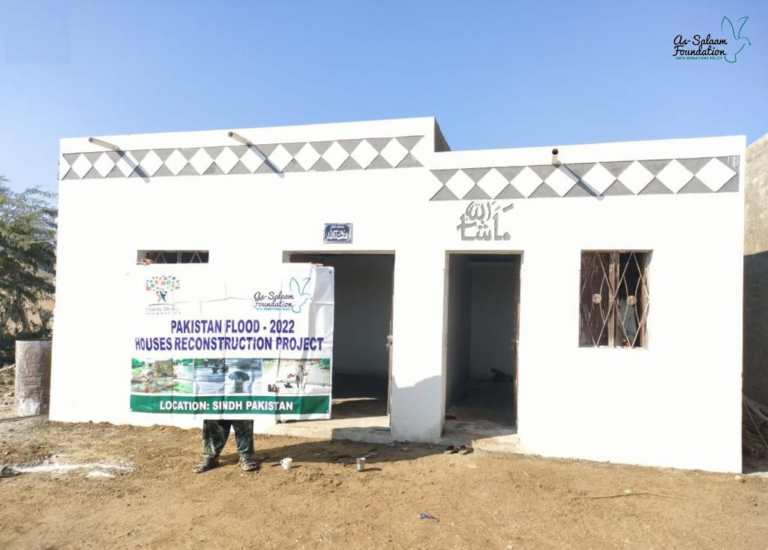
(270, 450)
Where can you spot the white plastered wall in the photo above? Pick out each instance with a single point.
(677, 403)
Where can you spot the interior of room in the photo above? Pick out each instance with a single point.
(362, 324)
(481, 342)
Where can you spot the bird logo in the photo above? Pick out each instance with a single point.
(728, 30)
(300, 296)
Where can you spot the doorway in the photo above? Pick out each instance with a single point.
(481, 342)
(364, 286)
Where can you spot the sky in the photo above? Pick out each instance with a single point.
(494, 74)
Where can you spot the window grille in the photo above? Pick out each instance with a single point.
(614, 299)
(174, 256)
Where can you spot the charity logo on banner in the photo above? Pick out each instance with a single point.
(234, 344)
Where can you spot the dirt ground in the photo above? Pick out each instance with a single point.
(482, 500)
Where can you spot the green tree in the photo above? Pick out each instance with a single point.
(27, 255)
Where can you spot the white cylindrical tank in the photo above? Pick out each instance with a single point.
(33, 377)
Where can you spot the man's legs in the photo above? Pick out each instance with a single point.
(244, 440)
(215, 435)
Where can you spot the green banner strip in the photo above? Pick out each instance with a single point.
(230, 404)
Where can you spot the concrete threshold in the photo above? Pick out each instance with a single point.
(481, 435)
(373, 429)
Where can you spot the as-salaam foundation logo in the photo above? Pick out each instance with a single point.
(728, 45)
(278, 301)
(160, 287)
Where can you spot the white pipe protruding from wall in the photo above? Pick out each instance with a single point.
(555, 159)
(102, 143)
(241, 139)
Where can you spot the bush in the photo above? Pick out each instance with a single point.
(8, 343)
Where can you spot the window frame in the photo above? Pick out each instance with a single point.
(615, 279)
(145, 255)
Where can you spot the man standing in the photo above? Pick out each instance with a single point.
(215, 435)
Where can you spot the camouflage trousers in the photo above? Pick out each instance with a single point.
(216, 433)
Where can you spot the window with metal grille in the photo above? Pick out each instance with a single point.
(614, 299)
(173, 256)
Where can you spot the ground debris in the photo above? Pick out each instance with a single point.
(627, 493)
(8, 471)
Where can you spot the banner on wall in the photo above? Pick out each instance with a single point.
(235, 344)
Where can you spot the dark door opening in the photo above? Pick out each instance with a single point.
(362, 327)
(481, 339)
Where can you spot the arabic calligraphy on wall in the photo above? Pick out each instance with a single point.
(480, 221)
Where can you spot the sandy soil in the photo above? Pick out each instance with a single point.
(482, 500)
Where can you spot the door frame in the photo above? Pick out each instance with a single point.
(515, 337)
(389, 343)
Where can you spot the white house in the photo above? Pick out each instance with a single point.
(602, 283)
